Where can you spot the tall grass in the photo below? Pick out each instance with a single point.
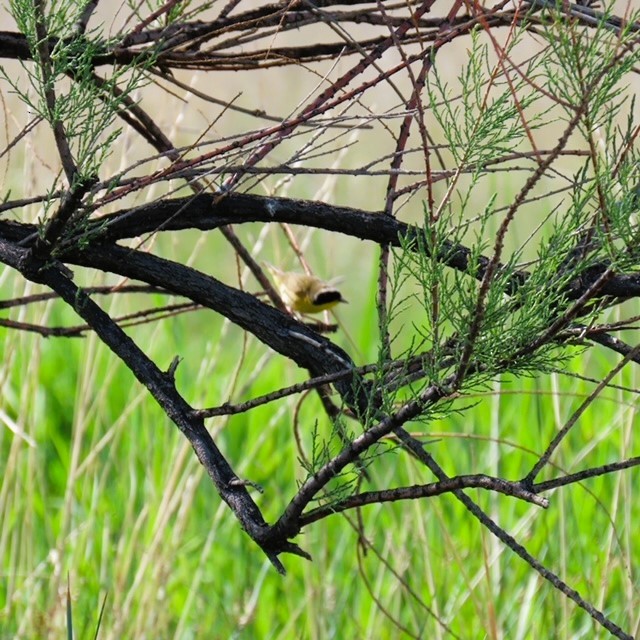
(97, 485)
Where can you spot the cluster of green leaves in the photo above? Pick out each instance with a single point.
(590, 68)
(482, 122)
(85, 104)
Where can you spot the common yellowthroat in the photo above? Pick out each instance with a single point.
(304, 293)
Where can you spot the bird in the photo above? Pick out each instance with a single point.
(304, 293)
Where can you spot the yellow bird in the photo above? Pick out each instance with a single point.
(304, 293)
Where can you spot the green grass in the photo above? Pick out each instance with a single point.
(112, 496)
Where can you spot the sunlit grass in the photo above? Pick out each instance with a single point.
(113, 496)
(99, 486)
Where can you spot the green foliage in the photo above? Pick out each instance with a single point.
(589, 69)
(480, 125)
(85, 104)
(485, 121)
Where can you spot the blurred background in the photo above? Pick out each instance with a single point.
(102, 497)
